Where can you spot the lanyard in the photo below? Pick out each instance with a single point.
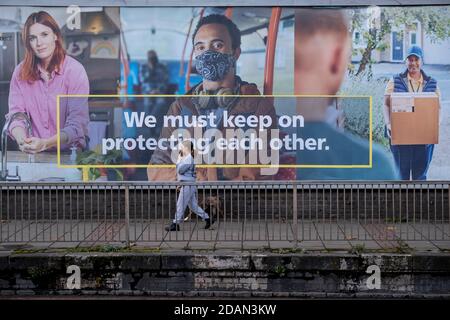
(412, 87)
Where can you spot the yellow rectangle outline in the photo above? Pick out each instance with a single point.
(344, 166)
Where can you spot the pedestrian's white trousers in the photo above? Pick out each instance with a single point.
(188, 197)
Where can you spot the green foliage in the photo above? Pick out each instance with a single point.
(28, 251)
(280, 270)
(289, 250)
(435, 22)
(97, 248)
(356, 110)
(96, 158)
(382, 46)
(38, 272)
(358, 249)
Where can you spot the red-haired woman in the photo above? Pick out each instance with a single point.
(45, 72)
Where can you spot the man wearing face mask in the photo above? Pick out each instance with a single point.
(412, 161)
(216, 42)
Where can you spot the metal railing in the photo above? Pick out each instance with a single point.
(266, 211)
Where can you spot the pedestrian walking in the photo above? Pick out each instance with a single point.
(187, 193)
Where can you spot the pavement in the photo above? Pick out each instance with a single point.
(312, 235)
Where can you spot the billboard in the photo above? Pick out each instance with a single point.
(262, 93)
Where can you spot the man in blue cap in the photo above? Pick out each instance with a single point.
(412, 161)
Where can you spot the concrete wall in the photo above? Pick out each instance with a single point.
(240, 274)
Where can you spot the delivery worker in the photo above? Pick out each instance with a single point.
(412, 161)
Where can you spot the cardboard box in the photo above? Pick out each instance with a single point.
(414, 118)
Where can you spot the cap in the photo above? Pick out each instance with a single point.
(415, 51)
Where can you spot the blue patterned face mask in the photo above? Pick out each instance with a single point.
(213, 66)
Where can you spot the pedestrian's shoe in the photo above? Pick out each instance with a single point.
(173, 227)
(209, 222)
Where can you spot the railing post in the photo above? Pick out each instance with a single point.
(127, 216)
(294, 213)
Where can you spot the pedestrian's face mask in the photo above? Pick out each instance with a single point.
(213, 65)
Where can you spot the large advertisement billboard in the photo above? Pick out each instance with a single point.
(283, 93)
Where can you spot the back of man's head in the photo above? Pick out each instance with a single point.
(316, 32)
(322, 50)
(308, 22)
(233, 30)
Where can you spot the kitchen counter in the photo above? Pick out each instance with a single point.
(43, 167)
(42, 157)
